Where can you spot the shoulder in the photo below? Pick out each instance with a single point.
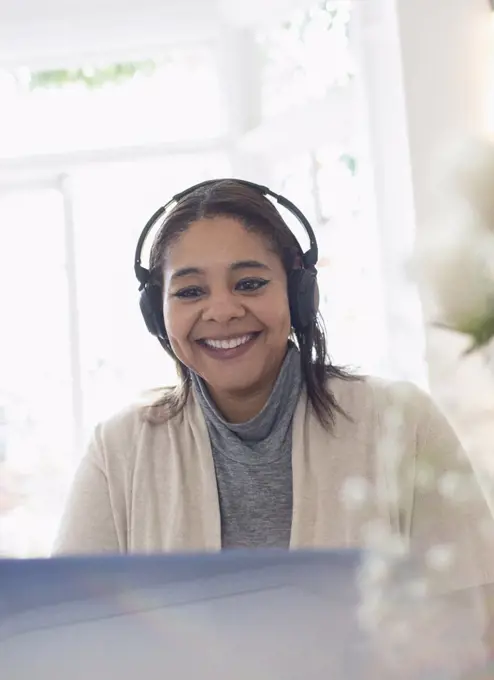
(122, 425)
(137, 425)
(377, 406)
(405, 425)
(372, 396)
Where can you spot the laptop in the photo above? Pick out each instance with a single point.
(235, 615)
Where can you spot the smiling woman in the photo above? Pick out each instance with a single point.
(264, 442)
(208, 235)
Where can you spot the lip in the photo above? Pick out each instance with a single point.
(234, 352)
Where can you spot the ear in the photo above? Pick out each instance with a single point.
(303, 296)
(151, 304)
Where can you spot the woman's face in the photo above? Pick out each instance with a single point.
(226, 306)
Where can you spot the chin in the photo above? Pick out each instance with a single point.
(233, 386)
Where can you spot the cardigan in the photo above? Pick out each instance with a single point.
(391, 467)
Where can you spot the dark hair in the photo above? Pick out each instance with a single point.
(229, 198)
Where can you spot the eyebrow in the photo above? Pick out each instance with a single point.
(235, 266)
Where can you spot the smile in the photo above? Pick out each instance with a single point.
(229, 343)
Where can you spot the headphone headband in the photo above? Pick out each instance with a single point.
(309, 258)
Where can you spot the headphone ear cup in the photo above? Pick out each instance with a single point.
(303, 297)
(151, 304)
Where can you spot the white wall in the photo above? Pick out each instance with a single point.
(446, 48)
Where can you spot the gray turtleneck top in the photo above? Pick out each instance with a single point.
(253, 464)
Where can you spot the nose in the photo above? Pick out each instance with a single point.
(223, 306)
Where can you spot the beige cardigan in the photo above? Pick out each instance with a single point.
(144, 487)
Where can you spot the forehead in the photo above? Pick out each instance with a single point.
(218, 240)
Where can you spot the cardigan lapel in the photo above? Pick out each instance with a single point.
(303, 513)
(209, 519)
(327, 467)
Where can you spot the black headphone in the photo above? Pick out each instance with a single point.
(303, 292)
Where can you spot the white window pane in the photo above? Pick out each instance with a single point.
(35, 389)
(308, 59)
(327, 187)
(120, 358)
(306, 56)
(178, 99)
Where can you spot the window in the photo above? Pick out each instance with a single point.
(74, 345)
(306, 56)
(307, 59)
(176, 98)
(326, 185)
(35, 387)
(63, 369)
(111, 204)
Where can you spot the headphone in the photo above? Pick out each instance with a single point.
(303, 291)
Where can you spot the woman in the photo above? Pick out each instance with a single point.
(264, 443)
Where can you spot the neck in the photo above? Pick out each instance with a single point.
(241, 407)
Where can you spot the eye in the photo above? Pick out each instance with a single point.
(251, 285)
(190, 293)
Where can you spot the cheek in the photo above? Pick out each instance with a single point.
(178, 322)
(275, 313)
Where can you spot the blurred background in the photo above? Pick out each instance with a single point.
(107, 109)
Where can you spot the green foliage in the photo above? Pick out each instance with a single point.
(91, 77)
(480, 331)
(350, 162)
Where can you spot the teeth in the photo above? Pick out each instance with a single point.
(228, 344)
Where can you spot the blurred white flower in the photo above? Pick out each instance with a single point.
(455, 264)
(375, 571)
(440, 557)
(377, 536)
(355, 492)
(469, 175)
(458, 487)
(371, 611)
(454, 258)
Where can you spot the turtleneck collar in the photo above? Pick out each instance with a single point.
(281, 402)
